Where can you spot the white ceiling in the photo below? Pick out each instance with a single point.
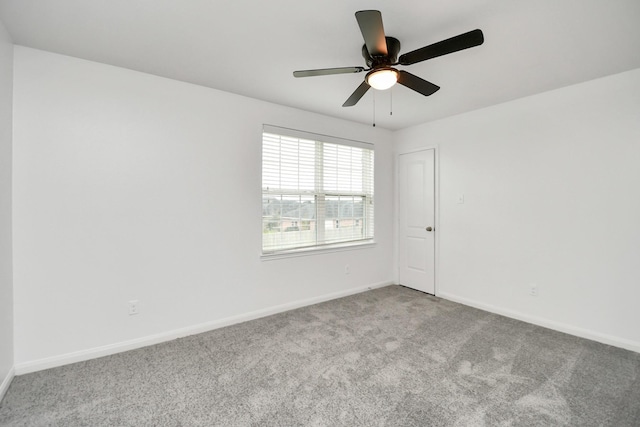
(252, 47)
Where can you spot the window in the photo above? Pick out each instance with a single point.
(317, 191)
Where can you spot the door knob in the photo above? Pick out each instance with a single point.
(429, 228)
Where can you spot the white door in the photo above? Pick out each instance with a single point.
(417, 220)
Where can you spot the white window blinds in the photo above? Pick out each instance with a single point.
(316, 190)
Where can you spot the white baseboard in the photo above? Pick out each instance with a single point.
(546, 323)
(93, 353)
(6, 382)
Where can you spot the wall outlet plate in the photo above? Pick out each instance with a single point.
(134, 307)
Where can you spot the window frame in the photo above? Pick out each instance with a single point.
(368, 216)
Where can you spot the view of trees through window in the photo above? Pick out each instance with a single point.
(314, 193)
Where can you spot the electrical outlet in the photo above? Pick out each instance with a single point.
(533, 290)
(134, 307)
(347, 269)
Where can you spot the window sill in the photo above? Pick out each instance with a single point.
(315, 251)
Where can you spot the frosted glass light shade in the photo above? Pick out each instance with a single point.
(382, 79)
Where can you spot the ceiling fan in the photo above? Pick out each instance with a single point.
(381, 56)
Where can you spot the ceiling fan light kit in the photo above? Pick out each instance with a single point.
(382, 78)
(381, 55)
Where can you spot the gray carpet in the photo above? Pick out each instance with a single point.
(388, 357)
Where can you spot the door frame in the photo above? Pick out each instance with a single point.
(436, 213)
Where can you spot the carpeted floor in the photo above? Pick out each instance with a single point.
(387, 357)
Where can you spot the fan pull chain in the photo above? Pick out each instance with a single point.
(374, 108)
(391, 102)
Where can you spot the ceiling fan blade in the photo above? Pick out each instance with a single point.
(454, 44)
(327, 71)
(416, 83)
(356, 95)
(370, 22)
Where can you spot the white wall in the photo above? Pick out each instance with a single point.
(552, 198)
(130, 186)
(6, 274)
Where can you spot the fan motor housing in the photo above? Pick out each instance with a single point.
(393, 48)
